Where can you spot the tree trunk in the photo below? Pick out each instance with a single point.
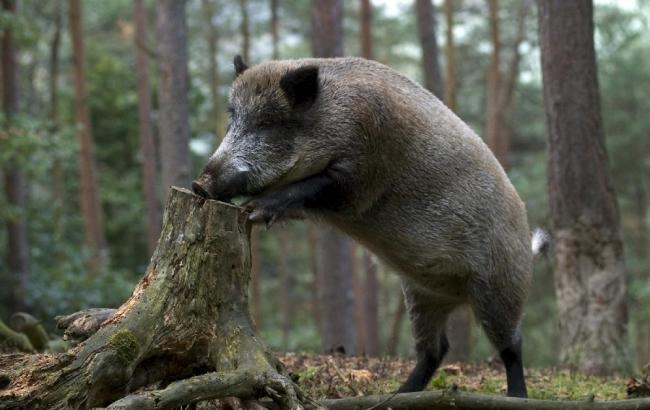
(57, 169)
(91, 211)
(245, 31)
(426, 19)
(274, 30)
(365, 20)
(188, 317)
(285, 285)
(147, 143)
(396, 326)
(459, 334)
(313, 267)
(256, 291)
(334, 258)
(450, 58)
(368, 283)
(501, 88)
(212, 40)
(371, 306)
(172, 93)
(327, 28)
(494, 115)
(641, 209)
(590, 275)
(359, 295)
(15, 183)
(459, 325)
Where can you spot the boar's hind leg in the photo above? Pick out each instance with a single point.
(428, 317)
(498, 308)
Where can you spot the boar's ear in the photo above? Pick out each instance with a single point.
(301, 85)
(240, 65)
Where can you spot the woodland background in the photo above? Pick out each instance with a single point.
(82, 204)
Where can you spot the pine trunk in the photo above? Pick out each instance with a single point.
(426, 19)
(334, 251)
(365, 22)
(245, 31)
(187, 318)
(57, 168)
(172, 93)
(274, 30)
(212, 41)
(371, 306)
(590, 274)
(91, 211)
(15, 183)
(450, 57)
(147, 142)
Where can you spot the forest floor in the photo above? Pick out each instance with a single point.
(338, 376)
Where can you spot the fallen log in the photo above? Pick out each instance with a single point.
(456, 400)
(186, 324)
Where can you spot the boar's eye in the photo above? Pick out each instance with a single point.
(231, 112)
(266, 123)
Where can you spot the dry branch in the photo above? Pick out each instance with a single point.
(456, 400)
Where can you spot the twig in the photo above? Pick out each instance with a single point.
(345, 380)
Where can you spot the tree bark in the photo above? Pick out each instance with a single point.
(396, 326)
(365, 22)
(335, 293)
(187, 318)
(275, 54)
(641, 209)
(57, 169)
(285, 285)
(327, 28)
(426, 19)
(172, 93)
(147, 142)
(334, 251)
(494, 115)
(371, 306)
(15, 182)
(212, 40)
(501, 88)
(590, 274)
(245, 31)
(459, 325)
(91, 211)
(256, 288)
(450, 57)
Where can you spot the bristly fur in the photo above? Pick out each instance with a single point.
(356, 145)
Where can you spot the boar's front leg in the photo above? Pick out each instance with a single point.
(325, 191)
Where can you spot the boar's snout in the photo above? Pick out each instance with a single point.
(223, 187)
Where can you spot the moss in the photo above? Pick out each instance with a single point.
(125, 345)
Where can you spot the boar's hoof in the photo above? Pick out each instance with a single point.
(265, 210)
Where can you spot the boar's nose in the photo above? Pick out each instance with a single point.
(199, 190)
(223, 187)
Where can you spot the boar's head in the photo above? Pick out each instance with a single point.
(271, 139)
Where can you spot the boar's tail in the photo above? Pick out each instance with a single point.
(540, 241)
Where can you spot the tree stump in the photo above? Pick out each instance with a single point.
(185, 330)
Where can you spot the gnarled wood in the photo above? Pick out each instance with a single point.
(188, 317)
